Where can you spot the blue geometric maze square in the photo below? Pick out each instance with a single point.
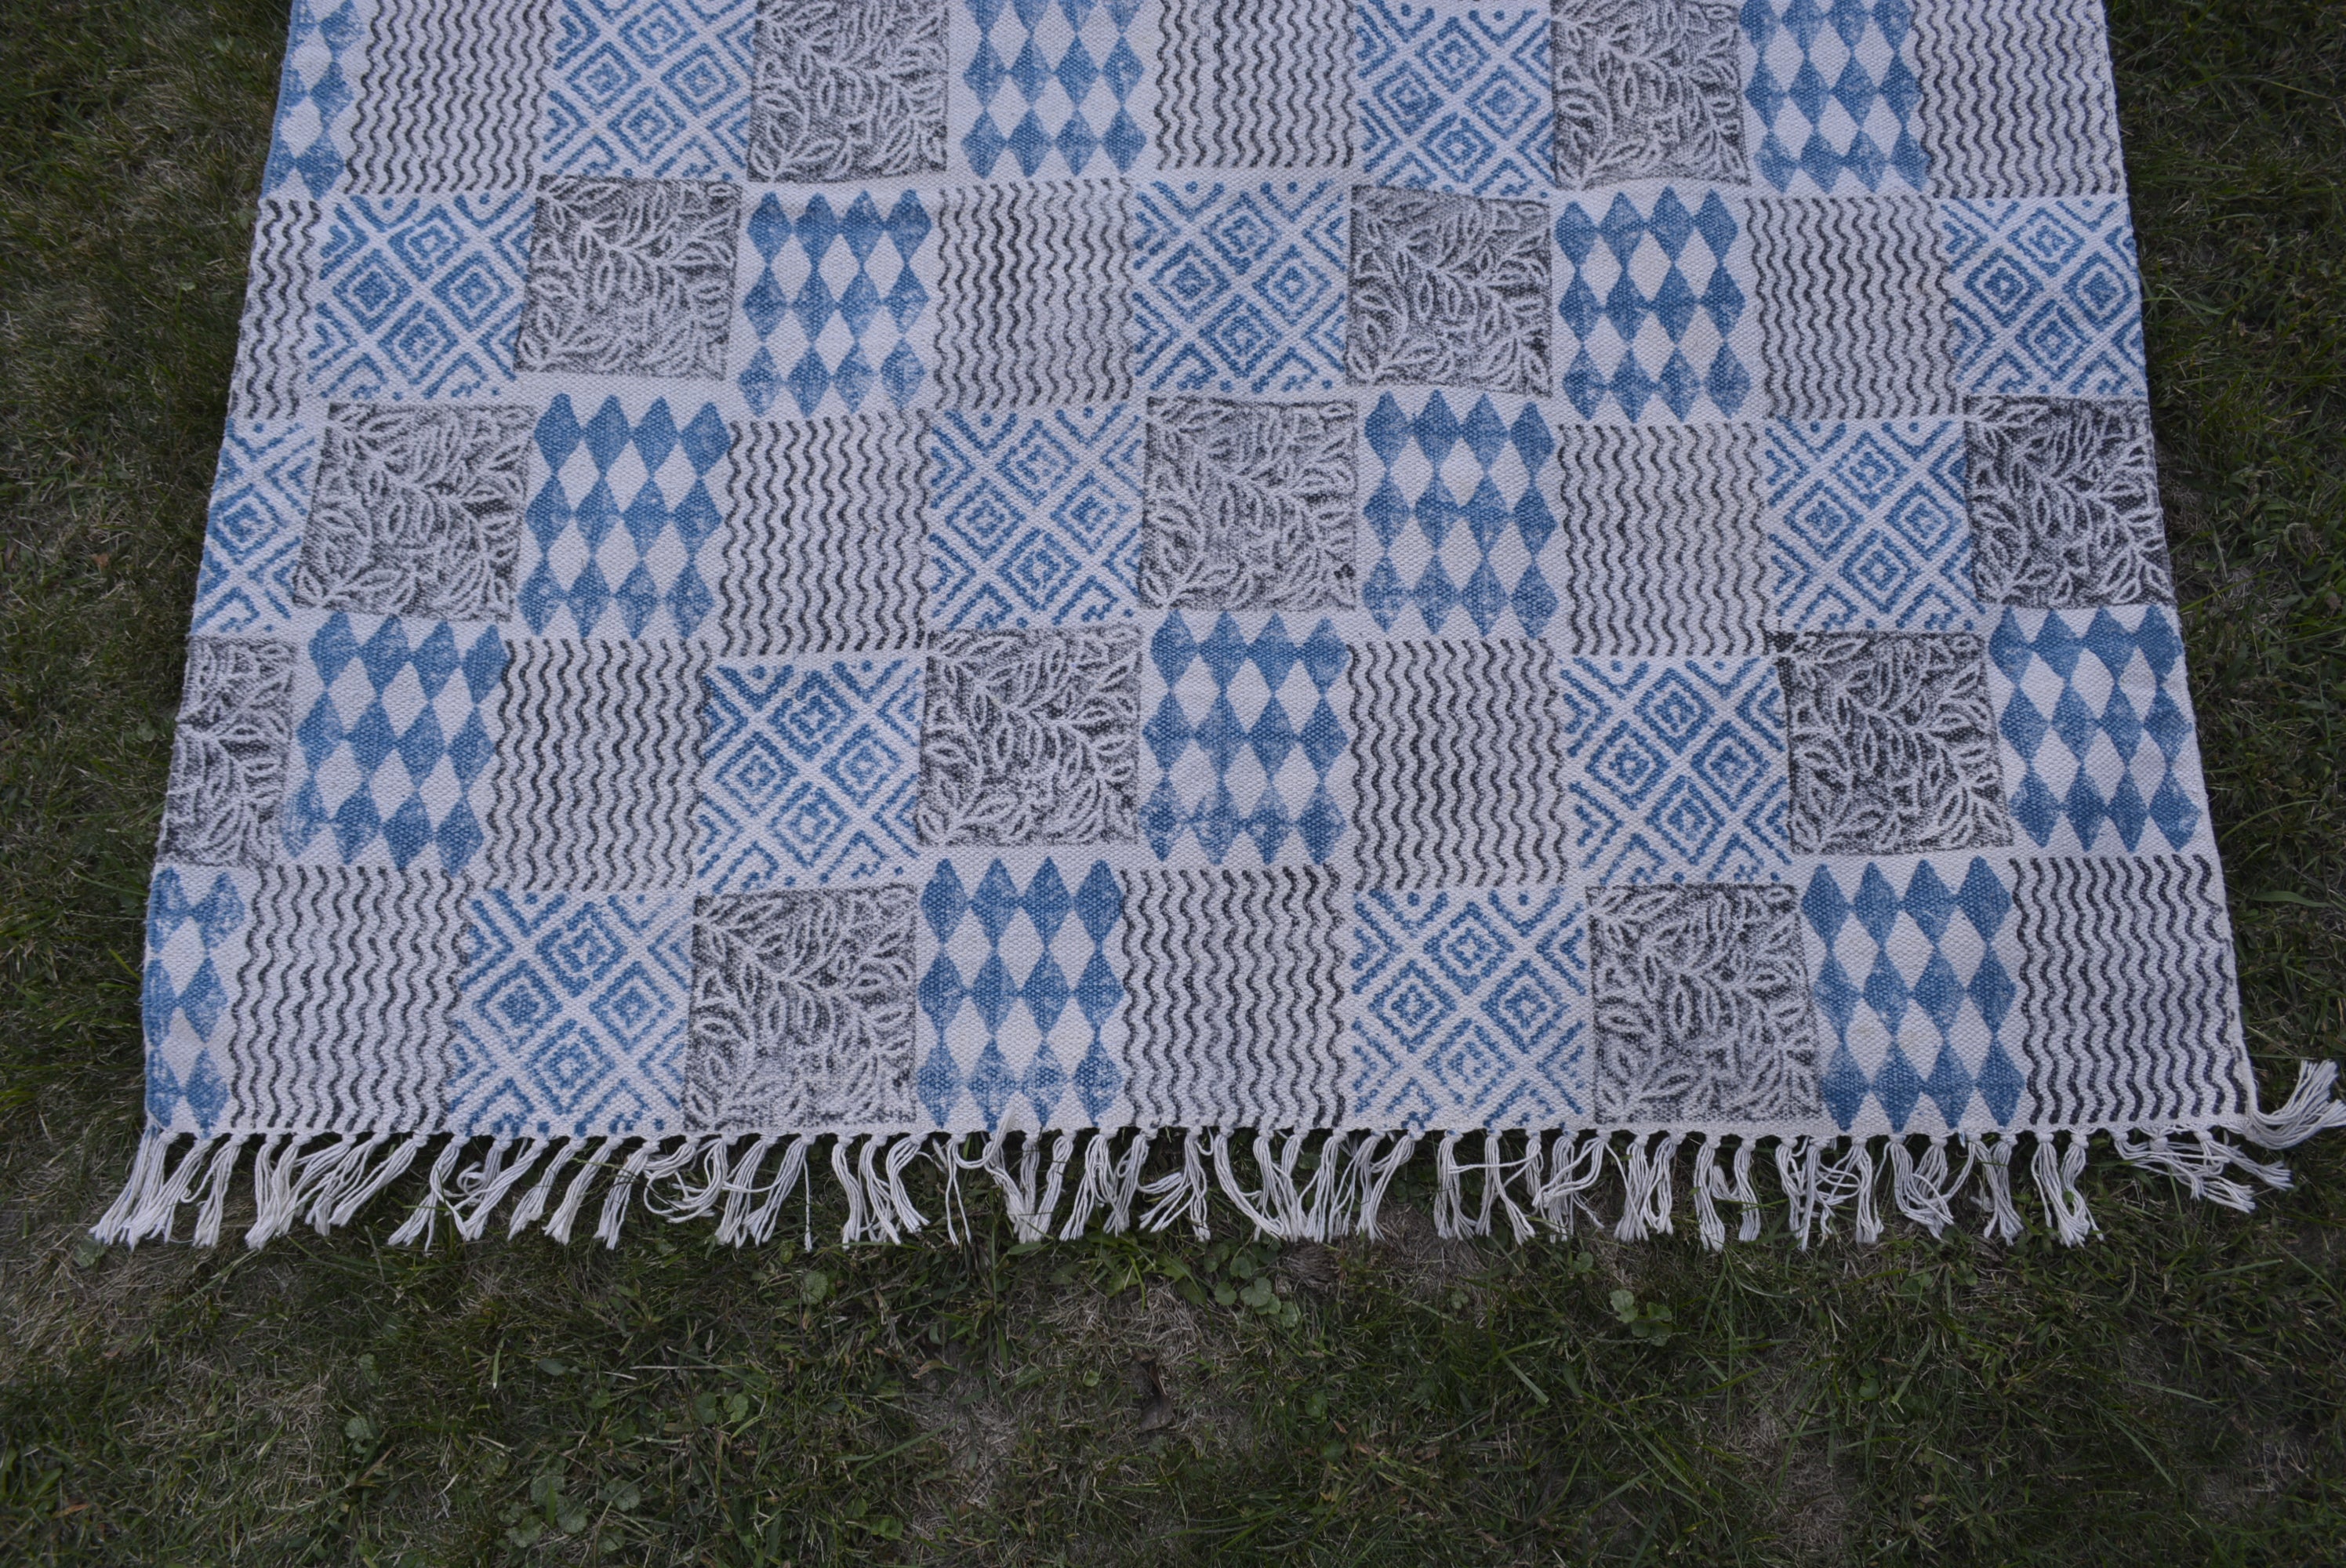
(1469, 1009)
(1460, 498)
(1833, 93)
(572, 1021)
(252, 534)
(1048, 89)
(1455, 96)
(1679, 769)
(1913, 966)
(649, 89)
(622, 498)
(834, 291)
(809, 773)
(1866, 526)
(196, 926)
(1655, 290)
(1033, 519)
(1239, 287)
(394, 731)
(1022, 994)
(2092, 717)
(2047, 298)
(310, 137)
(419, 297)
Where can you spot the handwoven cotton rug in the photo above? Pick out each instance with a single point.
(1164, 601)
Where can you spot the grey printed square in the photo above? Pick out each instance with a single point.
(1449, 290)
(1700, 996)
(1892, 741)
(1031, 738)
(228, 754)
(630, 277)
(802, 1011)
(1646, 89)
(416, 512)
(2064, 503)
(848, 89)
(1248, 506)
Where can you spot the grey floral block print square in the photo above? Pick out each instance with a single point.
(848, 89)
(630, 277)
(228, 754)
(2064, 503)
(802, 1010)
(1030, 737)
(1701, 994)
(1894, 746)
(1449, 290)
(416, 512)
(1646, 89)
(1248, 506)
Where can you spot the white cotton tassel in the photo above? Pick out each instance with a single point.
(622, 1187)
(694, 1195)
(1055, 1180)
(1645, 1196)
(338, 1171)
(2057, 1183)
(215, 1193)
(900, 1155)
(157, 1213)
(948, 1155)
(1920, 1189)
(1092, 1190)
(1127, 1183)
(1847, 1179)
(1184, 1191)
(1519, 1224)
(1380, 1178)
(420, 1224)
(1480, 1225)
(138, 1189)
(272, 1188)
(1708, 1187)
(574, 1197)
(1796, 1171)
(334, 1210)
(758, 1225)
(1994, 1153)
(1868, 1227)
(879, 1202)
(1746, 1192)
(1282, 1199)
(1249, 1204)
(2202, 1168)
(1449, 1202)
(741, 1190)
(1575, 1164)
(493, 1185)
(2310, 1109)
(1323, 1195)
(843, 1173)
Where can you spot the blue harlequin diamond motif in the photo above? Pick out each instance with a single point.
(838, 315)
(1679, 769)
(1867, 526)
(391, 746)
(1832, 91)
(1474, 1009)
(572, 1017)
(309, 137)
(1018, 983)
(192, 917)
(1652, 291)
(2044, 297)
(1463, 527)
(809, 771)
(419, 297)
(2096, 721)
(1453, 97)
(1051, 83)
(1033, 519)
(1917, 982)
(649, 89)
(1241, 737)
(619, 510)
(1240, 288)
(252, 535)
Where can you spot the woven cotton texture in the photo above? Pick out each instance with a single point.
(1243, 583)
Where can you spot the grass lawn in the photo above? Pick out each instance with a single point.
(2170, 1393)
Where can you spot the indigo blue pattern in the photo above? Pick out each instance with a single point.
(252, 536)
(1833, 90)
(1244, 732)
(192, 917)
(2096, 726)
(1035, 968)
(2047, 297)
(1470, 1009)
(1455, 96)
(649, 89)
(1680, 771)
(837, 308)
(1460, 514)
(314, 99)
(419, 297)
(1033, 519)
(810, 770)
(573, 1018)
(1240, 288)
(1052, 82)
(1917, 982)
(390, 747)
(615, 525)
(1867, 527)
(1653, 291)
